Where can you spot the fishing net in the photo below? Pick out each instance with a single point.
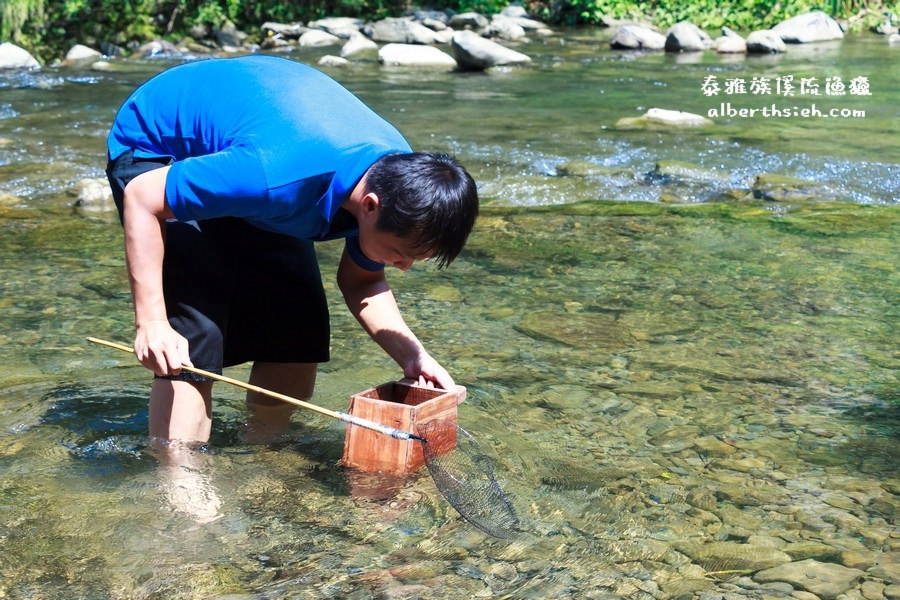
(464, 475)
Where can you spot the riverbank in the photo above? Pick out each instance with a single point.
(47, 34)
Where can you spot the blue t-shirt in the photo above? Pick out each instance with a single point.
(262, 138)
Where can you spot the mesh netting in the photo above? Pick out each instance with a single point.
(465, 477)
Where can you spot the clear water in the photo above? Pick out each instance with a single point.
(645, 375)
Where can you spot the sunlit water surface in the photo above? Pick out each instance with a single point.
(646, 375)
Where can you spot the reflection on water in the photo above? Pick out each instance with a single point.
(676, 397)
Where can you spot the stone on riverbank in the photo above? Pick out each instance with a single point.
(342, 27)
(661, 117)
(730, 42)
(469, 20)
(291, 31)
(94, 195)
(414, 55)
(815, 26)
(687, 37)
(14, 57)
(721, 556)
(81, 53)
(505, 29)
(316, 38)
(676, 170)
(358, 45)
(782, 188)
(477, 53)
(826, 580)
(332, 61)
(401, 31)
(765, 41)
(635, 37)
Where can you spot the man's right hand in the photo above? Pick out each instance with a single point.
(160, 348)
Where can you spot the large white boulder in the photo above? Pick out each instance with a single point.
(813, 26)
(414, 55)
(475, 52)
(635, 37)
(14, 57)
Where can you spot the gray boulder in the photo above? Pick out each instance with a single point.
(229, 35)
(358, 45)
(316, 38)
(730, 42)
(813, 26)
(825, 580)
(765, 41)
(400, 31)
(477, 53)
(414, 55)
(14, 57)
(333, 61)
(80, 53)
(505, 29)
(469, 20)
(94, 195)
(514, 11)
(290, 31)
(636, 37)
(687, 37)
(342, 27)
(158, 49)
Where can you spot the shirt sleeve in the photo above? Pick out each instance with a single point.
(356, 254)
(228, 183)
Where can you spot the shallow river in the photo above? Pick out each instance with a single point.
(685, 390)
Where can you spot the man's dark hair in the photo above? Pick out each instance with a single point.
(427, 198)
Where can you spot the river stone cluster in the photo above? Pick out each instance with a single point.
(813, 26)
(473, 41)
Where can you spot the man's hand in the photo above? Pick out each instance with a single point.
(428, 373)
(160, 348)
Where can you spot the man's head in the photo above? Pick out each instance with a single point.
(428, 199)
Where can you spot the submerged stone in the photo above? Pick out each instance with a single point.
(826, 580)
(782, 188)
(661, 117)
(722, 556)
(580, 330)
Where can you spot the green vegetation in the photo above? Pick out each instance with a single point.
(711, 14)
(49, 27)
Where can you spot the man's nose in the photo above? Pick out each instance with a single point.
(404, 264)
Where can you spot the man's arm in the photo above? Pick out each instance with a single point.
(156, 345)
(369, 298)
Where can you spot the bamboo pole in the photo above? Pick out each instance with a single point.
(390, 431)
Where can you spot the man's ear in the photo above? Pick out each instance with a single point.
(370, 204)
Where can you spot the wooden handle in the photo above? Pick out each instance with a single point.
(237, 382)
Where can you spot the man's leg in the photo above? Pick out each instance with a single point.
(180, 417)
(269, 417)
(181, 410)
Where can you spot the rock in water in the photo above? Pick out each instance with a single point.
(826, 580)
(14, 57)
(721, 556)
(634, 37)
(813, 26)
(475, 52)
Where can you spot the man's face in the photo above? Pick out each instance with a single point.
(389, 248)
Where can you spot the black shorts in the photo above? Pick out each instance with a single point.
(236, 292)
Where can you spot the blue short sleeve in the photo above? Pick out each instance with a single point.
(228, 183)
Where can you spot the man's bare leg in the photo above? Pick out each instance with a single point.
(181, 411)
(181, 418)
(270, 418)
